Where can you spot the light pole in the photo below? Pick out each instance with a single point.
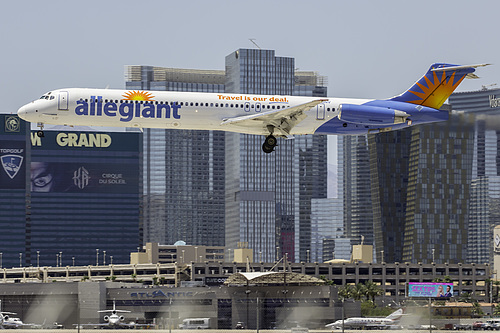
(111, 259)
(382, 256)
(260, 256)
(57, 259)
(308, 257)
(104, 257)
(196, 253)
(73, 259)
(433, 255)
(37, 258)
(1, 259)
(60, 258)
(20, 259)
(97, 257)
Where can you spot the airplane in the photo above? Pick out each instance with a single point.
(6, 321)
(369, 322)
(114, 320)
(268, 115)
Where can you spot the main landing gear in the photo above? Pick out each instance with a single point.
(269, 144)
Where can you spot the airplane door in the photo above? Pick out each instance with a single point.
(63, 100)
(320, 112)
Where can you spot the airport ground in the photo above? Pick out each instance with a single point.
(239, 331)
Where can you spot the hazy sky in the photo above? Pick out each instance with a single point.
(365, 48)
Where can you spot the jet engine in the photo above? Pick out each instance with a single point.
(371, 115)
(106, 318)
(122, 318)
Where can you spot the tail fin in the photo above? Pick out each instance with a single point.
(396, 315)
(434, 88)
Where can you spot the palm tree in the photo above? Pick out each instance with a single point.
(345, 292)
(372, 290)
(358, 292)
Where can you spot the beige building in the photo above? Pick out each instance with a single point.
(154, 253)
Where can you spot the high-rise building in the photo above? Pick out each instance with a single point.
(389, 169)
(84, 201)
(268, 196)
(183, 170)
(420, 179)
(483, 108)
(68, 196)
(215, 188)
(357, 190)
(14, 194)
(438, 192)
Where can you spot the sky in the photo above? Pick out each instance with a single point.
(367, 49)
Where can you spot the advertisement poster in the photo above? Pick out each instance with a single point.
(84, 177)
(430, 289)
(13, 169)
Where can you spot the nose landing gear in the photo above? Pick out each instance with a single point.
(40, 133)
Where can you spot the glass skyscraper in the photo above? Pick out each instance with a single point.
(483, 108)
(268, 196)
(183, 170)
(216, 188)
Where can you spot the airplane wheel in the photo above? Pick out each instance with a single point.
(267, 149)
(40, 134)
(271, 141)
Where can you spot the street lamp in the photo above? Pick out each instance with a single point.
(1, 257)
(196, 253)
(433, 255)
(97, 257)
(57, 259)
(73, 259)
(104, 257)
(20, 259)
(111, 259)
(60, 258)
(37, 258)
(308, 257)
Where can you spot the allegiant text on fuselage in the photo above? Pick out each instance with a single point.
(126, 110)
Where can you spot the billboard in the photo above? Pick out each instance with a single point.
(430, 289)
(13, 165)
(80, 177)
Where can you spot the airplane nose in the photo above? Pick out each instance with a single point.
(22, 112)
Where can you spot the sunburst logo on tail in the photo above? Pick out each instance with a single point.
(138, 96)
(435, 89)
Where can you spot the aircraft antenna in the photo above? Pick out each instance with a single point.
(254, 43)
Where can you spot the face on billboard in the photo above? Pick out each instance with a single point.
(430, 290)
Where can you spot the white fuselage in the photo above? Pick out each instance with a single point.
(173, 110)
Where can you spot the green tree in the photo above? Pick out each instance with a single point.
(345, 292)
(358, 292)
(372, 290)
(496, 310)
(497, 285)
(477, 311)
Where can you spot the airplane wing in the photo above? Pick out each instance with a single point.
(282, 119)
